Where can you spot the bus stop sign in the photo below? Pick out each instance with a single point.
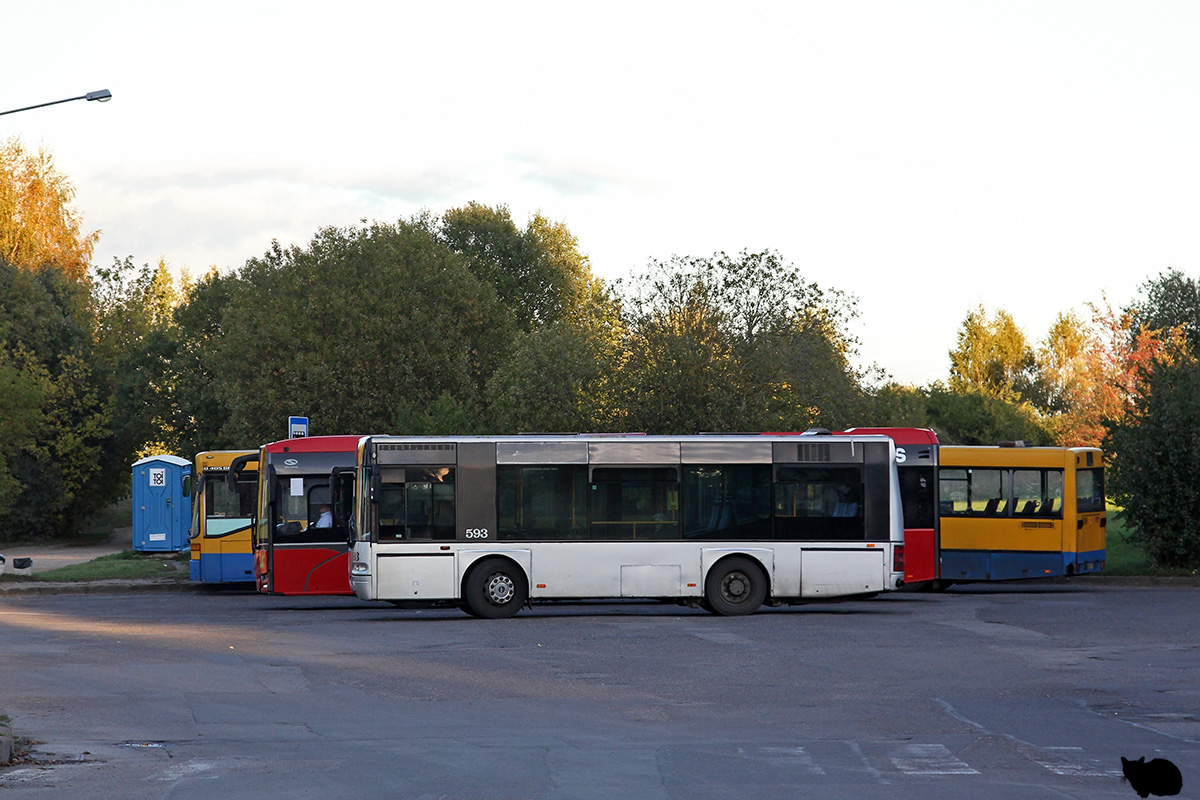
(297, 427)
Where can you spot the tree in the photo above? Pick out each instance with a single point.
(736, 343)
(38, 225)
(1154, 450)
(974, 417)
(60, 463)
(361, 331)
(1125, 357)
(22, 391)
(1155, 473)
(539, 274)
(992, 357)
(1172, 300)
(58, 449)
(1074, 375)
(135, 339)
(564, 376)
(202, 408)
(895, 405)
(680, 371)
(1062, 361)
(406, 327)
(960, 417)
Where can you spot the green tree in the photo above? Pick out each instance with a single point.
(539, 274)
(1172, 300)
(895, 405)
(1062, 361)
(361, 331)
(975, 417)
(959, 417)
(22, 392)
(202, 406)
(680, 371)
(561, 377)
(1155, 469)
(993, 357)
(60, 451)
(135, 340)
(737, 343)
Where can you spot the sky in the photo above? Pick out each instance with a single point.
(924, 157)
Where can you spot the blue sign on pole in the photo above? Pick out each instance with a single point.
(297, 427)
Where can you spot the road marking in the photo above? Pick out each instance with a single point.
(1065, 764)
(876, 774)
(783, 756)
(1059, 764)
(929, 759)
(192, 770)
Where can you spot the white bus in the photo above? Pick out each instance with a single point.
(723, 522)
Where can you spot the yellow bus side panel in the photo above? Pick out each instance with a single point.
(973, 533)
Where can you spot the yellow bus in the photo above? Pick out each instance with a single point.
(1014, 512)
(222, 517)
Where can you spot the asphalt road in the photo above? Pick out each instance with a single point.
(1030, 691)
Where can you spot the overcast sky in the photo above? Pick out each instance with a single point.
(925, 157)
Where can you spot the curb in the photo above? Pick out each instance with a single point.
(115, 586)
(6, 742)
(1140, 580)
(1099, 580)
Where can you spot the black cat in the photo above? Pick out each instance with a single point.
(1159, 777)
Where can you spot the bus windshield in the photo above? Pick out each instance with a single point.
(225, 509)
(303, 511)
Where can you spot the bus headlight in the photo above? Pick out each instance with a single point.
(359, 568)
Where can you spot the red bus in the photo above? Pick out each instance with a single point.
(917, 465)
(300, 548)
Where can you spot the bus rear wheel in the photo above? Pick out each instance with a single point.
(495, 589)
(734, 587)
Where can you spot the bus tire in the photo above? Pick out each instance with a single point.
(495, 589)
(734, 587)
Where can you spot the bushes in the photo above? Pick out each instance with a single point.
(1155, 472)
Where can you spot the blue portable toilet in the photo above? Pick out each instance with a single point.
(162, 511)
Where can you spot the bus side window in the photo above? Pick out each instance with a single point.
(634, 503)
(1027, 491)
(1053, 504)
(987, 492)
(952, 490)
(813, 503)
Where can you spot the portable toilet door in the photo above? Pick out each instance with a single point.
(161, 509)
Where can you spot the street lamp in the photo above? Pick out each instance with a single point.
(103, 95)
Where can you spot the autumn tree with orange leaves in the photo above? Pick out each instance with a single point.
(1093, 373)
(38, 224)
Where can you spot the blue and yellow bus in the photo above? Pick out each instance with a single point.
(222, 517)
(1012, 512)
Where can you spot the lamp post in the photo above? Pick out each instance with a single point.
(103, 95)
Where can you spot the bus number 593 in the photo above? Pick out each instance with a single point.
(477, 533)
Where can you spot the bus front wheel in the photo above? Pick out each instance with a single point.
(734, 587)
(495, 589)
